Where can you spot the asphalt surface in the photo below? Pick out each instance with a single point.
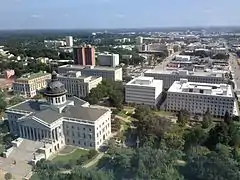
(166, 61)
(235, 68)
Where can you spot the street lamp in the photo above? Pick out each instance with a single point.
(137, 141)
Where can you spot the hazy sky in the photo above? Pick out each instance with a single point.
(65, 14)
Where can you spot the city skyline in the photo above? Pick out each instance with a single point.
(112, 14)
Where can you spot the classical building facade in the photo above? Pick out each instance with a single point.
(59, 121)
(29, 84)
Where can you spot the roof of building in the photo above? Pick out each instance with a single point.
(183, 86)
(43, 111)
(55, 87)
(187, 73)
(145, 82)
(31, 76)
(79, 67)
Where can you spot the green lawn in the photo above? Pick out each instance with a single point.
(34, 177)
(164, 113)
(122, 114)
(69, 157)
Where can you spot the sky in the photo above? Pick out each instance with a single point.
(85, 14)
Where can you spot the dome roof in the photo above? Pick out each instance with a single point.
(55, 87)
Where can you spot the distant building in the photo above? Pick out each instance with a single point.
(54, 43)
(77, 85)
(220, 50)
(9, 73)
(29, 84)
(84, 55)
(182, 58)
(143, 90)
(170, 76)
(110, 73)
(197, 98)
(111, 60)
(69, 41)
(139, 40)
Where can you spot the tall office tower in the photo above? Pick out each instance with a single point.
(84, 55)
(90, 55)
(79, 55)
(69, 41)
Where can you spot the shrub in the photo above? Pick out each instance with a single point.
(8, 176)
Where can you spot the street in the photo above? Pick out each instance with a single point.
(235, 68)
(164, 63)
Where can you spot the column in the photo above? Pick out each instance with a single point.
(53, 136)
(20, 131)
(56, 131)
(30, 133)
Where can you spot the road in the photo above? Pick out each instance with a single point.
(164, 63)
(235, 68)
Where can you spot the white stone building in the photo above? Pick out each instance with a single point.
(29, 84)
(107, 59)
(169, 76)
(59, 121)
(143, 90)
(69, 41)
(77, 85)
(110, 73)
(182, 58)
(198, 97)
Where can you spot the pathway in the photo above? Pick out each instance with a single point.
(91, 163)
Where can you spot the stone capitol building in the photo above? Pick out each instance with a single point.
(59, 121)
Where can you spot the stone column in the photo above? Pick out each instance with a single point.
(20, 131)
(53, 136)
(56, 131)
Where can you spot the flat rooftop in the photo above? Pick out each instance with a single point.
(186, 72)
(78, 67)
(145, 82)
(30, 76)
(183, 86)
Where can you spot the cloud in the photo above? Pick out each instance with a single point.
(35, 16)
(120, 15)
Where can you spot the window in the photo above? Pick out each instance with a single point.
(79, 142)
(90, 129)
(73, 142)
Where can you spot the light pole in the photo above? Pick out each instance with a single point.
(137, 141)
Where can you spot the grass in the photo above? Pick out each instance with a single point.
(122, 114)
(163, 113)
(1, 148)
(34, 177)
(70, 157)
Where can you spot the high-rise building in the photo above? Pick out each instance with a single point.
(79, 55)
(139, 40)
(90, 55)
(111, 60)
(84, 55)
(69, 41)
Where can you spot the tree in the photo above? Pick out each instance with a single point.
(196, 136)
(15, 100)
(227, 118)
(219, 134)
(8, 176)
(207, 119)
(38, 96)
(183, 117)
(211, 166)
